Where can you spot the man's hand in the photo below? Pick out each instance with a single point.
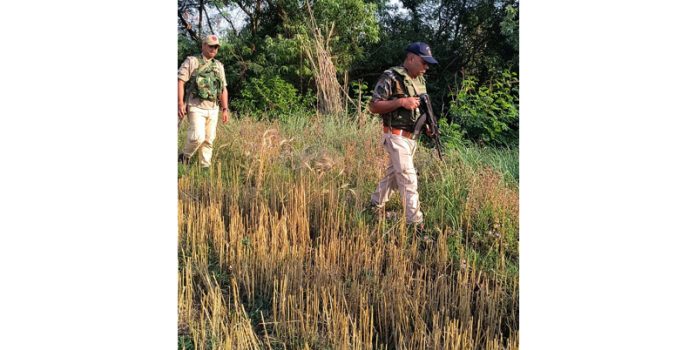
(182, 110)
(410, 102)
(225, 116)
(428, 131)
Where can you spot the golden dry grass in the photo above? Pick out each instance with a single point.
(276, 252)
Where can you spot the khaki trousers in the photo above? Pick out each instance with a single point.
(401, 175)
(201, 133)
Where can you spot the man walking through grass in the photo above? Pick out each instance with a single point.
(395, 98)
(201, 85)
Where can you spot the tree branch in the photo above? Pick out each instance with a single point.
(200, 17)
(257, 15)
(208, 18)
(192, 33)
(252, 18)
(225, 17)
(241, 7)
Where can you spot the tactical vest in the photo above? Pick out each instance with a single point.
(405, 86)
(205, 83)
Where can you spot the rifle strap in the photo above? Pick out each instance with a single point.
(419, 125)
(202, 64)
(421, 120)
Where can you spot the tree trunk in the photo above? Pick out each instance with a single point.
(200, 19)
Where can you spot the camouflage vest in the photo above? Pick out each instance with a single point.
(404, 86)
(205, 83)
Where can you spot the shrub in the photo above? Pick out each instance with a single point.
(272, 96)
(452, 136)
(488, 113)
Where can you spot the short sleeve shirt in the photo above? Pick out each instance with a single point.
(384, 87)
(188, 67)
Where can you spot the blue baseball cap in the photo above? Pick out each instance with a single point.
(423, 50)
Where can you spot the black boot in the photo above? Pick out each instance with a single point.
(183, 159)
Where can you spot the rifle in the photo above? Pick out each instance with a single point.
(428, 118)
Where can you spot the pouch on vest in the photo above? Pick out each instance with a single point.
(205, 82)
(402, 118)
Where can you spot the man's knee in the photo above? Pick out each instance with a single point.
(408, 177)
(196, 139)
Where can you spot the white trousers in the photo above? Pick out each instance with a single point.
(401, 175)
(201, 133)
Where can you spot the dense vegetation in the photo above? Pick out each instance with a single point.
(269, 70)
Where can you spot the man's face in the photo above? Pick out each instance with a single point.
(209, 51)
(417, 66)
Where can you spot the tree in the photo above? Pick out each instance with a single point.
(475, 39)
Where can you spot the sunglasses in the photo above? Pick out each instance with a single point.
(214, 47)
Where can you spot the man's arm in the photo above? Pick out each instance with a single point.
(180, 98)
(383, 93)
(386, 106)
(223, 105)
(184, 74)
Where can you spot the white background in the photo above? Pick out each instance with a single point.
(88, 189)
(88, 256)
(607, 175)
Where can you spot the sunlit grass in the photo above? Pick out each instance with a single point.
(277, 252)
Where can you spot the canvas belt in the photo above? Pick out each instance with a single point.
(399, 132)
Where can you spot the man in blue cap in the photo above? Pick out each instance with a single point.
(395, 99)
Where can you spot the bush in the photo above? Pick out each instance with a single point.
(272, 96)
(489, 113)
(452, 136)
(186, 47)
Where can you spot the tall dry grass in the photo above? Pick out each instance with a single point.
(276, 251)
(317, 50)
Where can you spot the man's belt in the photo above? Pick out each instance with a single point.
(399, 132)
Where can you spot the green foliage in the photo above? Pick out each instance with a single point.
(474, 38)
(360, 91)
(281, 55)
(353, 24)
(359, 88)
(272, 96)
(452, 135)
(186, 47)
(488, 112)
(185, 342)
(509, 27)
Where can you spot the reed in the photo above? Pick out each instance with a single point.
(317, 49)
(277, 252)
